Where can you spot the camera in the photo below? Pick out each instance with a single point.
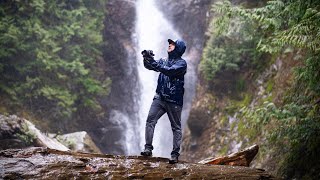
(147, 53)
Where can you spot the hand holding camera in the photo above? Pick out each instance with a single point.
(147, 55)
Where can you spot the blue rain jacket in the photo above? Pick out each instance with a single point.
(171, 78)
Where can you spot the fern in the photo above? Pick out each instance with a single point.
(295, 23)
(232, 41)
(295, 122)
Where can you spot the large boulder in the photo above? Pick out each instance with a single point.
(77, 141)
(17, 132)
(11, 133)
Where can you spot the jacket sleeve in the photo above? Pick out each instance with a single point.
(147, 65)
(178, 68)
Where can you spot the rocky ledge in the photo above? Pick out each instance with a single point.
(46, 163)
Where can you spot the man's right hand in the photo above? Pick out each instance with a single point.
(148, 59)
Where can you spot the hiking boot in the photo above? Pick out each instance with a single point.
(173, 160)
(146, 152)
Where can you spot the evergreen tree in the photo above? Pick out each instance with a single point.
(48, 55)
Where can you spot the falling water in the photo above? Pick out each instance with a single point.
(152, 32)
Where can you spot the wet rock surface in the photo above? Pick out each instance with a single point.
(45, 163)
(10, 132)
(16, 132)
(77, 141)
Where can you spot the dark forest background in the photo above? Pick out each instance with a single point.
(260, 65)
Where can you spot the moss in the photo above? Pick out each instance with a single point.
(241, 85)
(242, 129)
(70, 143)
(210, 102)
(223, 120)
(224, 150)
(3, 110)
(247, 131)
(26, 135)
(235, 106)
(252, 134)
(273, 58)
(268, 99)
(246, 100)
(270, 85)
(231, 108)
(233, 125)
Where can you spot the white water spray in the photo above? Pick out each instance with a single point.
(152, 32)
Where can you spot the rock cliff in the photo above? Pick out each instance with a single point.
(119, 56)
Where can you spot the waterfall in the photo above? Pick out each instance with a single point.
(151, 32)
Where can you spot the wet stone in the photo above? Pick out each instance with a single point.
(44, 163)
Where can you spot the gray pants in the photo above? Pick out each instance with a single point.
(157, 109)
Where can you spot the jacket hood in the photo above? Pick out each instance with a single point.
(180, 48)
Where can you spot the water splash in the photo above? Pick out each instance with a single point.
(131, 137)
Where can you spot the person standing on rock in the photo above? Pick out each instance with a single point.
(169, 94)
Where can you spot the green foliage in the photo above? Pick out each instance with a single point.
(234, 105)
(310, 73)
(68, 142)
(48, 54)
(295, 125)
(295, 23)
(241, 85)
(270, 85)
(231, 43)
(224, 150)
(26, 135)
(291, 128)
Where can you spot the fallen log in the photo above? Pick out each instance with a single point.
(45, 163)
(241, 158)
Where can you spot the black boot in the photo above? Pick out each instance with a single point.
(146, 152)
(173, 160)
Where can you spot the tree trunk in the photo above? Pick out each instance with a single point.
(242, 158)
(45, 163)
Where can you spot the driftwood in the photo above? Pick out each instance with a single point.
(241, 158)
(45, 163)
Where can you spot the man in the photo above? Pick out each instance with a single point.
(169, 95)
